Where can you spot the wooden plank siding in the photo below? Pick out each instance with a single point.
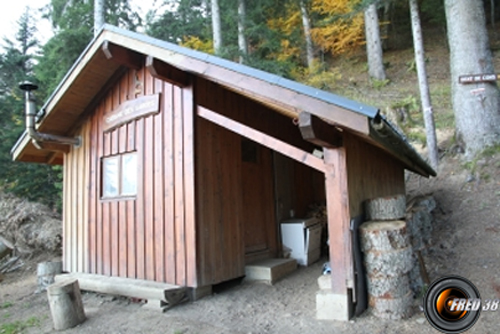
(371, 173)
(150, 235)
(187, 224)
(76, 199)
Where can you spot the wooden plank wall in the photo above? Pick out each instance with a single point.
(221, 252)
(308, 186)
(76, 203)
(150, 236)
(297, 187)
(371, 173)
(220, 207)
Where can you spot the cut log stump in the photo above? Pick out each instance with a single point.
(392, 308)
(386, 208)
(389, 263)
(388, 287)
(46, 271)
(384, 236)
(66, 305)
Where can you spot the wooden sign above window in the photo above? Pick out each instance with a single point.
(130, 110)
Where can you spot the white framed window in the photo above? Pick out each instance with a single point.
(119, 176)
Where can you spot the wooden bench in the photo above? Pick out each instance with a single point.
(159, 296)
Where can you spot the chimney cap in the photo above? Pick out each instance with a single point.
(27, 86)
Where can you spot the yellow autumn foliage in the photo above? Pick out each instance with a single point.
(286, 26)
(318, 76)
(340, 30)
(195, 43)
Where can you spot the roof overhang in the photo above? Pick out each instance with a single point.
(75, 97)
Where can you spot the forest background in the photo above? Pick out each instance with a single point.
(348, 47)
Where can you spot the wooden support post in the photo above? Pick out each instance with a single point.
(337, 301)
(66, 306)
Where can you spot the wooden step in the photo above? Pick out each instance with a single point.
(270, 270)
(160, 296)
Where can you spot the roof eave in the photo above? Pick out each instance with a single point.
(384, 133)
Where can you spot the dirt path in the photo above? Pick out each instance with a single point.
(466, 242)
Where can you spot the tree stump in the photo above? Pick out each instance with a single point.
(389, 263)
(46, 271)
(415, 276)
(392, 308)
(388, 287)
(65, 302)
(383, 236)
(386, 208)
(388, 260)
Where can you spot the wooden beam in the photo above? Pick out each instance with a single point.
(337, 204)
(51, 157)
(167, 72)
(123, 56)
(319, 132)
(263, 139)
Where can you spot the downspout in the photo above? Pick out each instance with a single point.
(38, 137)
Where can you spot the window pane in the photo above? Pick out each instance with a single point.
(110, 177)
(129, 174)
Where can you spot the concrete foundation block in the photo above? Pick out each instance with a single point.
(325, 282)
(332, 306)
(270, 270)
(155, 305)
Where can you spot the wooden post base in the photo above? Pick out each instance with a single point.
(66, 306)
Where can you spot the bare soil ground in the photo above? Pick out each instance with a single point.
(466, 242)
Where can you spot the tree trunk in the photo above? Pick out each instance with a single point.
(373, 45)
(306, 23)
(476, 106)
(492, 12)
(216, 27)
(242, 39)
(430, 129)
(98, 15)
(386, 22)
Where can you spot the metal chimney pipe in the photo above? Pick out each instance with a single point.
(37, 137)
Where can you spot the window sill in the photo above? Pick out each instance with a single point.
(118, 198)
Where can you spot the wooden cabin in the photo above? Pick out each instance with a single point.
(188, 162)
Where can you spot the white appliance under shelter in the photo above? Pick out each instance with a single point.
(303, 237)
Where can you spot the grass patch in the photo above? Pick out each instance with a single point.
(484, 154)
(444, 120)
(18, 327)
(6, 305)
(417, 136)
(379, 84)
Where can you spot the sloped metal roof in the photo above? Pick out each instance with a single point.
(73, 96)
